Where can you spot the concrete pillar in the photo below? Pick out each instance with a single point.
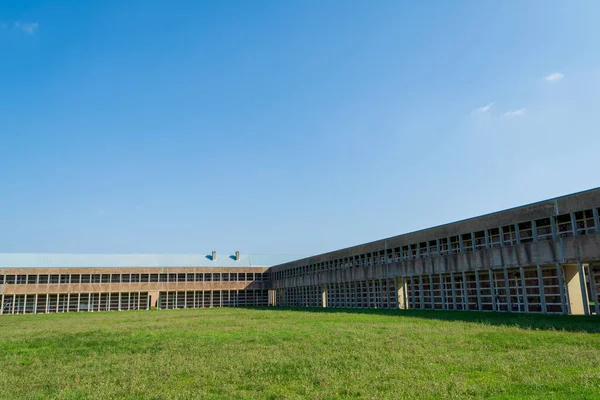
(561, 287)
(324, 296)
(464, 290)
(517, 234)
(524, 289)
(534, 230)
(507, 290)
(541, 289)
(13, 303)
(574, 224)
(453, 283)
(594, 289)
(35, 301)
(492, 278)
(443, 292)
(478, 289)
(431, 293)
(575, 282)
(421, 294)
(487, 238)
(153, 298)
(596, 220)
(402, 289)
(1, 304)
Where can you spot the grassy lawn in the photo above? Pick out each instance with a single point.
(274, 353)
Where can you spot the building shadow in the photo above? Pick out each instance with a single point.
(548, 322)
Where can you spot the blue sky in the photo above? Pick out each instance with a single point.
(286, 127)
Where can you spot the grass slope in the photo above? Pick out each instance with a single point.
(275, 353)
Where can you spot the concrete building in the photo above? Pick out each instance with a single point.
(47, 283)
(538, 258)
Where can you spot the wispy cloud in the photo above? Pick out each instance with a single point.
(27, 27)
(515, 113)
(484, 108)
(555, 76)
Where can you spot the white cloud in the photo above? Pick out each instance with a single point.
(27, 27)
(484, 108)
(555, 76)
(515, 113)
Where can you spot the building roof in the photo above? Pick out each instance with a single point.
(60, 260)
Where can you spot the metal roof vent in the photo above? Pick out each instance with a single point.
(237, 256)
(214, 256)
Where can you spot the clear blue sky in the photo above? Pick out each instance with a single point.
(286, 126)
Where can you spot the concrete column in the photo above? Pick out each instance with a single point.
(1, 304)
(119, 301)
(473, 244)
(324, 296)
(596, 219)
(78, 301)
(594, 289)
(575, 282)
(534, 230)
(464, 289)
(35, 303)
(507, 290)
(402, 289)
(478, 289)
(421, 294)
(487, 238)
(461, 248)
(443, 292)
(14, 303)
(501, 232)
(492, 278)
(541, 289)
(553, 227)
(453, 283)
(431, 293)
(517, 234)
(524, 289)
(561, 287)
(212, 298)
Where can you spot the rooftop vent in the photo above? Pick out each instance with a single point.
(214, 255)
(237, 256)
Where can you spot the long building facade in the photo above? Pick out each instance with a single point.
(50, 283)
(538, 258)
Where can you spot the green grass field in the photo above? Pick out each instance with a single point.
(275, 353)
